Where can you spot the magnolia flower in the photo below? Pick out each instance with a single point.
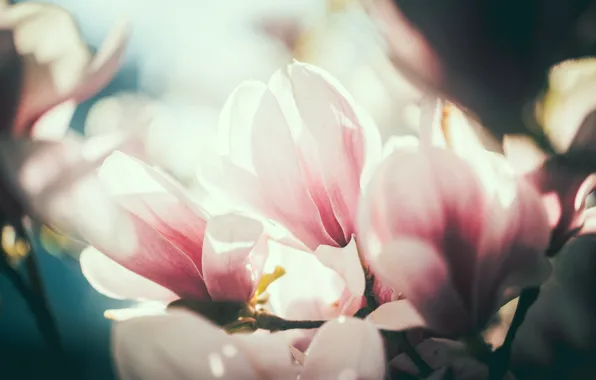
(184, 346)
(296, 151)
(182, 252)
(57, 64)
(455, 231)
(45, 169)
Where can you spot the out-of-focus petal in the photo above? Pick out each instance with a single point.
(568, 103)
(55, 183)
(269, 354)
(345, 348)
(233, 259)
(346, 262)
(53, 124)
(58, 65)
(179, 345)
(396, 315)
(115, 281)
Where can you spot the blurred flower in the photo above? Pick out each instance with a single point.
(348, 45)
(45, 169)
(296, 151)
(182, 345)
(455, 231)
(57, 64)
(490, 58)
(182, 252)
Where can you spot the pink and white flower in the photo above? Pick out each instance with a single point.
(182, 252)
(456, 232)
(296, 151)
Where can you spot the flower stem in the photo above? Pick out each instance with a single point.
(402, 340)
(499, 364)
(35, 298)
(274, 323)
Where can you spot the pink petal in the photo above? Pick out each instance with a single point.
(345, 348)
(281, 177)
(418, 270)
(346, 262)
(115, 281)
(105, 63)
(157, 200)
(328, 112)
(308, 153)
(162, 227)
(396, 315)
(179, 345)
(233, 257)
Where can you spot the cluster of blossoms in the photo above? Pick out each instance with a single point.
(327, 246)
(316, 251)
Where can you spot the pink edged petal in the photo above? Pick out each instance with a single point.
(328, 112)
(307, 150)
(53, 124)
(397, 316)
(346, 262)
(420, 272)
(345, 348)
(270, 355)
(308, 290)
(234, 254)
(115, 281)
(160, 260)
(105, 64)
(179, 345)
(280, 174)
(158, 201)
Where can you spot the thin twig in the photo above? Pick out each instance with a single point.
(502, 356)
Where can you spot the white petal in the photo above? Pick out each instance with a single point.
(346, 348)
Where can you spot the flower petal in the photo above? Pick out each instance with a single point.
(346, 262)
(179, 345)
(345, 348)
(397, 316)
(233, 259)
(308, 290)
(418, 270)
(113, 280)
(328, 112)
(280, 174)
(269, 354)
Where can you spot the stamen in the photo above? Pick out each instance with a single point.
(267, 279)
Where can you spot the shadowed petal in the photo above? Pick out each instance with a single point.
(418, 270)
(396, 315)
